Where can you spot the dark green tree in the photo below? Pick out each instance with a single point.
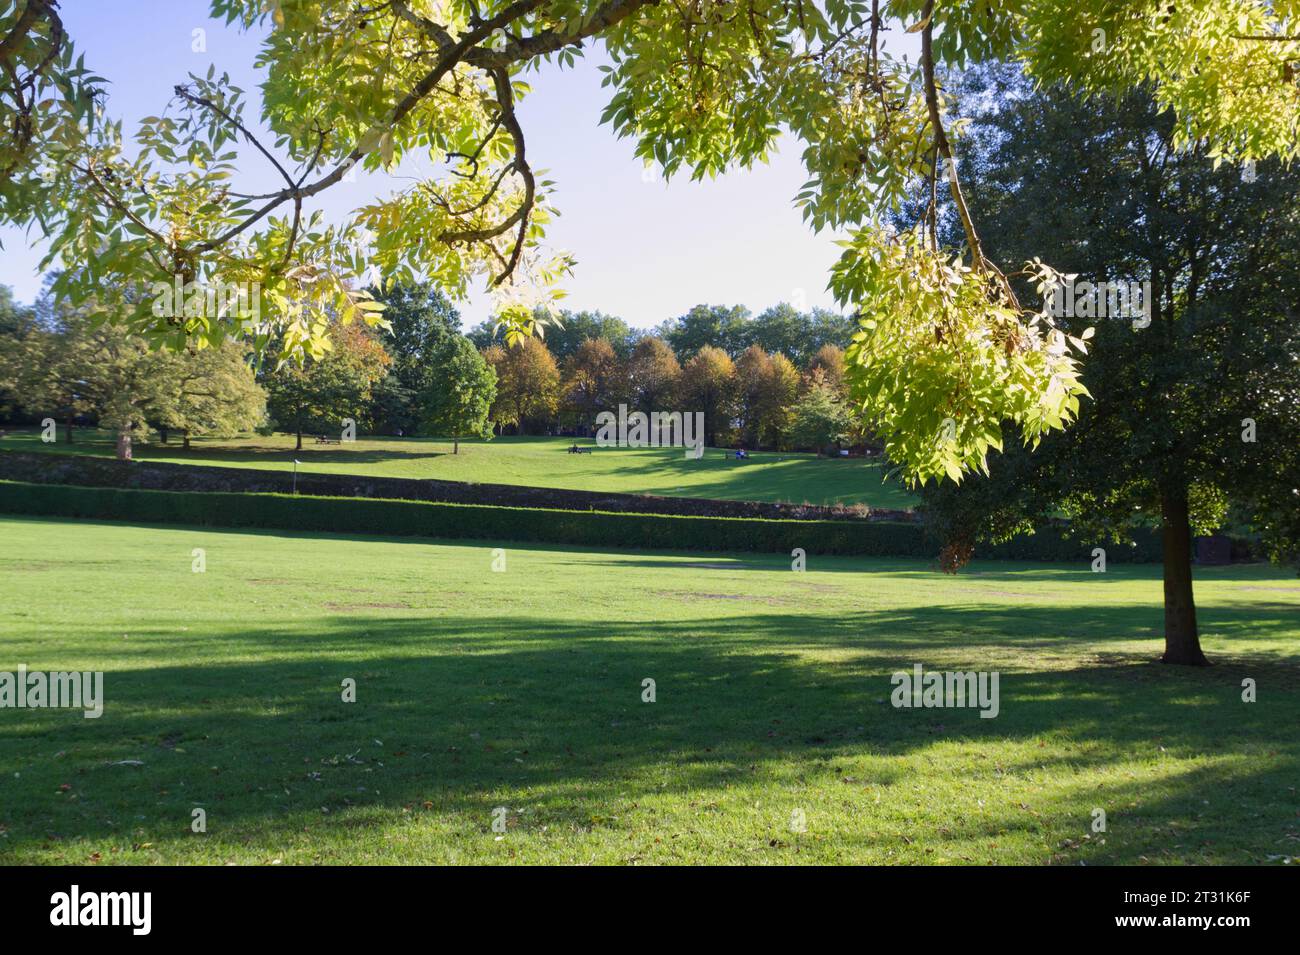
(1194, 395)
(565, 331)
(422, 325)
(576, 327)
(715, 326)
(781, 329)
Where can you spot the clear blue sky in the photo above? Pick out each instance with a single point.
(646, 250)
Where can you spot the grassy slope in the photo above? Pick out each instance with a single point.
(539, 462)
(522, 689)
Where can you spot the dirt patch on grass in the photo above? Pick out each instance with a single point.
(34, 566)
(353, 608)
(1031, 595)
(690, 596)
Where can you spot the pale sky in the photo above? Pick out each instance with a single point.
(646, 250)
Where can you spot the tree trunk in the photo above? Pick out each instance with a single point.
(162, 435)
(124, 444)
(455, 444)
(1182, 642)
(69, 428)
(298, 447)
(185, 440)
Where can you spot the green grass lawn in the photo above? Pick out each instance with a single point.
(538, 462)
(522, 689)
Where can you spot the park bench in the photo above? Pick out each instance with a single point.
(321, 439)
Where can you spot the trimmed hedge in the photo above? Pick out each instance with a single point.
(582, 528)
(433, 519)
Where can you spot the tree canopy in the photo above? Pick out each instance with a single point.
(702, 86)
(1193, 401)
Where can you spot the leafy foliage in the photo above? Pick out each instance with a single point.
(702, 86)
(458, 400)
(940, 363)
(1192, 427)
(820, 419)
(320, 393)
(528, 383)
(708, 384)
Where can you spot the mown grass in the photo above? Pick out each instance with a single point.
(522, 689)
(536, 462)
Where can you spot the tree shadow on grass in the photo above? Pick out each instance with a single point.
(768, 477)
(309, 455)
(104, 444)
(468, 713)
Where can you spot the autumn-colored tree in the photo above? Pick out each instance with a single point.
(766, 385)
(652, 375)
(709, 385)
(750, 383)
(591, 378)
(528, 383)
(775, 411)
(829, 362)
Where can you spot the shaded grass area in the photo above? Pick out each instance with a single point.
(521, 689)
(535, 462)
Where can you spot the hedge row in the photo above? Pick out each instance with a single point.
(581, 528)
(432, 519)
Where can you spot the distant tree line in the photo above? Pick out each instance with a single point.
(780, 329)
(771, 381)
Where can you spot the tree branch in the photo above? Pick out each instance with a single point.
(506, 101)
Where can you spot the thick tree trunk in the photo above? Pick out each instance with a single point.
(1182, 642)
(124, 444)
(298, 446)
(185, 440)
(162, 435)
